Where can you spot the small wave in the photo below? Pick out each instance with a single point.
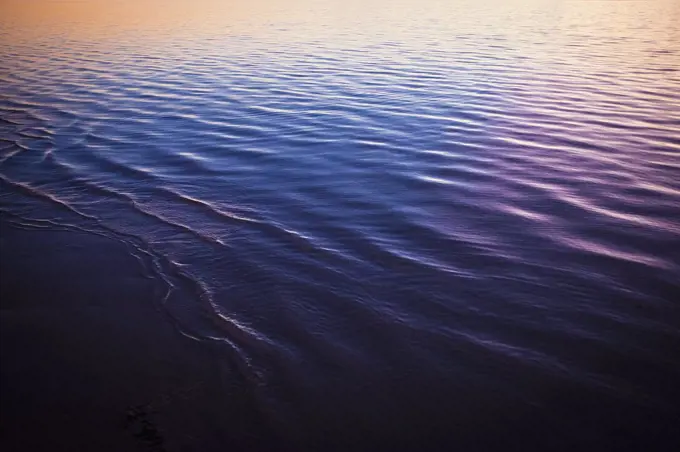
(348, 203)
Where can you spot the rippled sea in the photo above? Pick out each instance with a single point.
(407, 223)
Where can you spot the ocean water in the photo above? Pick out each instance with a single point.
(407, 224)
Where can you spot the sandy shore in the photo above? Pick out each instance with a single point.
(90, 363)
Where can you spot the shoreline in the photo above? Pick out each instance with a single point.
(89, 363)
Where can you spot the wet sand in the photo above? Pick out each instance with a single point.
(90, 363)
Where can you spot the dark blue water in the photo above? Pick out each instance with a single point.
(406, 223)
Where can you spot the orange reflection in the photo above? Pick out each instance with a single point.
(542, 28)
(106, 17)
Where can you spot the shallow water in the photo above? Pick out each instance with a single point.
(414, 221)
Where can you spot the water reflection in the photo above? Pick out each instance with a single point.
(373, 207)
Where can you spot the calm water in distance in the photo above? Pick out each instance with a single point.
(407, 221)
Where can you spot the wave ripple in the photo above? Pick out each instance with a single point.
(470, 198)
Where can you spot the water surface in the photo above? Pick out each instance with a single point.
(407, 222)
